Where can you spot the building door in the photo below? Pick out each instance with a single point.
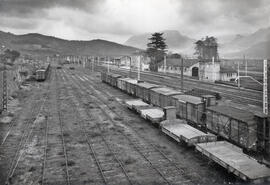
(195, 71)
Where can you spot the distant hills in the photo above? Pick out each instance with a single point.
(255, 45)
(41, 45)
(175, 41)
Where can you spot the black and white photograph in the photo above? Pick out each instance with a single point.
(134, 92)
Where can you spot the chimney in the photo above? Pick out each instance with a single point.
(169, 112)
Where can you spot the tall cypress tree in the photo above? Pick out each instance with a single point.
(156, 49)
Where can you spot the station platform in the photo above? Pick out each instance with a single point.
(235, 161)
(179, 130)
(154, 114)
(136, 104)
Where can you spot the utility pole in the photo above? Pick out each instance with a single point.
(182, 74)
(165, 64)
(245, 64)
(93, 62)
(214, 72)
(4, 97)
(139, 66)
(108, 64)
(129, 66)
(5, 88)
(265, 96)
(238, 82)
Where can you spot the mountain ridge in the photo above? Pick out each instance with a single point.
(39, 44)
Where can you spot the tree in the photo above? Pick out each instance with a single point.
(207, 48)
(10, 54)
(156, 49)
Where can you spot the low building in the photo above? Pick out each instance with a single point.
(203, 70)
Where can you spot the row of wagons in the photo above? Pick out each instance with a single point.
(235, 125)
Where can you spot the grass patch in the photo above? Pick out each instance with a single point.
(95, 134)
(32, 169)
(129, 160)
(65, 134)
(118, 119)
(111, 99)
(71, 163)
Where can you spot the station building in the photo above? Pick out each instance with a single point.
(202, 70)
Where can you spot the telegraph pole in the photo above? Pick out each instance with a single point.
(265, 96)
(165, 64)
(245, 64)
(182, 74)
(4, 96)
(238, 75)
(93, 60)
(139, 66)
(5, 88)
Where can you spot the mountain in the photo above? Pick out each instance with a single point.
(174, 40)
(41, 45)
(242, 44)
(260, 50)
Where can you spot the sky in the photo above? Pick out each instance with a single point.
(117, 20)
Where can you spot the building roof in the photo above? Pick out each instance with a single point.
(176, 62)
(227, 69)
(234, 113)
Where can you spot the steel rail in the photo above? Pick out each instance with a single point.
(110, 149)
(134, 144)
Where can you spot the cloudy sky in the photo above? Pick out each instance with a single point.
(117, 20)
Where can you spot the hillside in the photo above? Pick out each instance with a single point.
(257, 51)
(174, 40)
(253, 44)
(41, 45)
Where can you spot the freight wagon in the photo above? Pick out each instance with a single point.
(189, 107)
(236, 125)
(42, 73)
(143, 90)
(233, 124)
(161, 96)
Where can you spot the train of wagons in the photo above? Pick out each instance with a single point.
(236, 125)
(42, 72)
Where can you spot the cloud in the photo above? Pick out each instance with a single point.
(30, 7)
(119, 19)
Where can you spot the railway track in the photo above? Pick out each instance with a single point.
(170, 172)
(54, 146)
(109, 164)
(17, 152)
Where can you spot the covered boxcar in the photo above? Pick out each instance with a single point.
(40, 74)
(104, 77)
(131, 86)
(112, 79)
(234, 124)
(143, 90)
(161, 96)
(189, 107)
(121, 83)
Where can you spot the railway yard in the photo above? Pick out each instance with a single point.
(74, 129)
